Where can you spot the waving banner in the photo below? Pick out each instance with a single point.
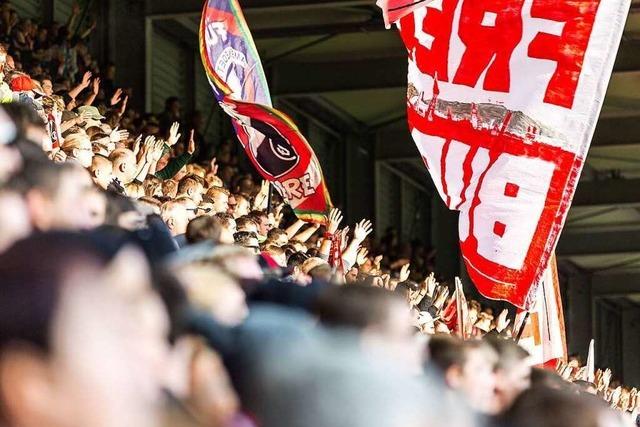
(502, 102)
(272, 141)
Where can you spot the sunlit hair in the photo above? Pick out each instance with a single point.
(120, 155)
(213, 191)
(135, 190)
(152, 186)
(188, 182)
(76, 140)
(169, 188)
(196, 170)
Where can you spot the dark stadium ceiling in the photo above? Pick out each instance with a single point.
(335, 58)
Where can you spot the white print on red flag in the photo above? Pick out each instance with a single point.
(503, 99)
(544, 334)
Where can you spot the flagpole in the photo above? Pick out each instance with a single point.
(269, 198)
(524, 323)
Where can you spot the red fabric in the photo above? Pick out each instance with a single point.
(503, 113)
(394, 10)
(268, 259)
(302, 184)
(22, 84)
(450, 314)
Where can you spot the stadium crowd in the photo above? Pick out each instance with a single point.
(146, 280)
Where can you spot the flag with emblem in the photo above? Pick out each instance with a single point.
(269, 137)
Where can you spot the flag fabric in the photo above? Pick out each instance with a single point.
(455, 314)
(544, 333)
(394, 10)
(462, 311)
(502, 101)
(450, 313)
(590, 371)
(271, 140)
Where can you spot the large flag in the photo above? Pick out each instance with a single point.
(544, 334)
(271, 140)
(502, 102)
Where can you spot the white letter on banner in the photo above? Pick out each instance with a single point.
(512, 198)
(478, 166)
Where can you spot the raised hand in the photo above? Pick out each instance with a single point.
(149, 147)
(335, 218)
(344, 238)
(117, 96)
(416, 297)
(376, 262)
(214, 166)
(136, 145)
(615, 397)
(431, 284)
(404, 274)
(383, 282)
(278, 214)
(86, 79)
(361, 258)
(174, 136)
(362, 230)
(502, 322)
(633, 398)
(96, 85)
(260, 201)
(191, 148)
(158, 150)
(123, 108)
(606, 378)
(119, 135)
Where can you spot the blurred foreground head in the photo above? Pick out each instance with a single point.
(299, 375)
(82, 340)
(542, 406)
(467, 367)
(381, 318)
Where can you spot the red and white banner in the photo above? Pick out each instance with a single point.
(544, 334)
(503, 99)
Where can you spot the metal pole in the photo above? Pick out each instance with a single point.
(524, 323)
(269, 198)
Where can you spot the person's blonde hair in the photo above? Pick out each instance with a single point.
(213, 191)
(135, 190)
(152, 186)
(196, 170)
(170, 187)
(76, 139)
(120, 154)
